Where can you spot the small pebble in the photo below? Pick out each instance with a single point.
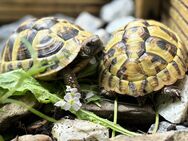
(117, 9)
(38, 137)
(103, 34)
(165, 126)
(114, 25)
(89, 22)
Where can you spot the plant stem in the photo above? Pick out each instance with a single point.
(86, 115)
(6, 95)
(34, 111)
(156, 123)
(115, 114)
(97, 103)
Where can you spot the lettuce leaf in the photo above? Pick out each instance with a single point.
(19, 82)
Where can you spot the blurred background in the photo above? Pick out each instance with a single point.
(101, 17)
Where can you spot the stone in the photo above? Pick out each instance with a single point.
(174, 111)
(130, 113)
(181, 128)
(117, 23)
(88, 22)
(79, 130)
(12, 112)
(165, 126)
(117, 9)
(6, 30)
(37, 137)
(2, 45)
(62, 16)
(167, 136)
(103, 34)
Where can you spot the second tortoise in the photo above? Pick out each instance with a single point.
(142, 57)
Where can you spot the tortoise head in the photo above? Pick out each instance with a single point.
(91, 47)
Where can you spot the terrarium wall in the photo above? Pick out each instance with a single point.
(174, 13)
(11, 10)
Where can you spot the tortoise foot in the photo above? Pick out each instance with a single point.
(173, 91)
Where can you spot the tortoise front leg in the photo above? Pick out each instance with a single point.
(81, 65)
(173, 91)
(107, 93)
(70, 78)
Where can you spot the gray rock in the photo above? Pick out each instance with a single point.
(88, 22)
(6, 30)
(167, 136)
(12, 112)
(132, 114)
(79, 130)
(117, 9)
(38, 137)
(165, 126)
(62, 16)
(174, 111)
(103, 34)
(115, 24)
(181, 128)
(2, 45)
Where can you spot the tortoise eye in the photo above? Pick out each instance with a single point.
(86, 52)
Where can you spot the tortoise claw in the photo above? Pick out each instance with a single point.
(173, 91)
(107, 93)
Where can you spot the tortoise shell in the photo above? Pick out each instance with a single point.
(142, 57)
(54, 40)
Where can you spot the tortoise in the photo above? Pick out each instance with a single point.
(56, 41)
(142, 57)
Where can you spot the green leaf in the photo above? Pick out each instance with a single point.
(85, 88)
(93, 99)
(9, 81)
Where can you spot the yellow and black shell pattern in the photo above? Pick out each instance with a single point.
(51, 38)
(142, 57)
